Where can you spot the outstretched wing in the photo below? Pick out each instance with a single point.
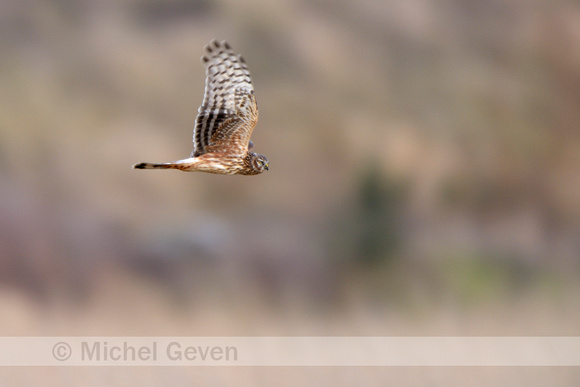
(228, 113)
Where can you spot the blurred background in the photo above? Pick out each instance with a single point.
(424, 177)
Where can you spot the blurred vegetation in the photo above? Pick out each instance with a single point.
(424, 180)
(419, 151)
(379, 218)
(369, 231)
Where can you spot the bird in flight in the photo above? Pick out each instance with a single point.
(225, 120)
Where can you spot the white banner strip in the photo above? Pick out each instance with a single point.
(289, 351)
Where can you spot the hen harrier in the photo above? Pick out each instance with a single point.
(225, 120)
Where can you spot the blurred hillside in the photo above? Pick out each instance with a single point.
(419, 151)
(424, 170)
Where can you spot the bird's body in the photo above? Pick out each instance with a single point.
(225, 120)
(210, 163)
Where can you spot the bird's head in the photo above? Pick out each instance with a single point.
(259, 163)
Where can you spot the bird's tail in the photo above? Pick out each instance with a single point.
(156, 166)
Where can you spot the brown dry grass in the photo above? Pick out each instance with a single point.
(424, 179)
